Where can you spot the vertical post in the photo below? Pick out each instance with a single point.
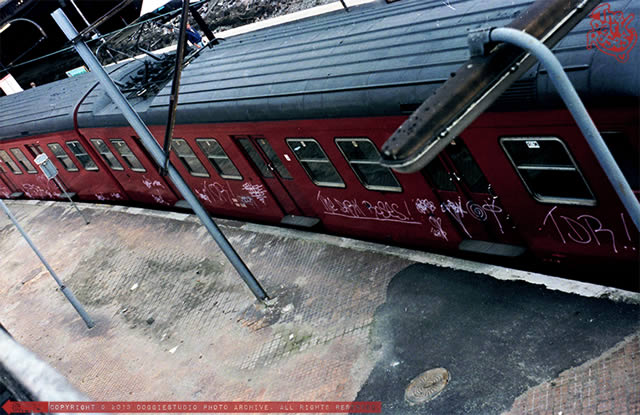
(156, 152)
(66, 291)
(64, 191)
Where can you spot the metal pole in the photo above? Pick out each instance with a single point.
(66, 291)
(64, 191)
(576, 107)
(156, 152)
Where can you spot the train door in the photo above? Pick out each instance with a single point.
(134, 170)
(6, 182)
(266, 162)
(469, 200)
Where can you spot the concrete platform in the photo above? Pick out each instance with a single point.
(353, 320)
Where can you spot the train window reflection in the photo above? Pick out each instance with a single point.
(439, 176)
(106, 154)
(127, 155)
(81, 154)
(548, 170)
(218, 158)
(363, 157)
(62, 157)
(315, 162)
(23, 160)
(12, 165)
(273, 158)
(189, 158)
(467, 167)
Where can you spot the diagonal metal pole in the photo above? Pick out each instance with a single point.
(65, 290)
(156, 152)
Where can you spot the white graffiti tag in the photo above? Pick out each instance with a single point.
(256, 191)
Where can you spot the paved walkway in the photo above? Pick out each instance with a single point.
(175, 322)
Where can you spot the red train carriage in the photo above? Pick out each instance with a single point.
(284, 125)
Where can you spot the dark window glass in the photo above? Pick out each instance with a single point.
(273, 157)
(548, 170)
(189, 158)
(12, 165)
(83, 157)
(34, 149)
(106, 154)
(467, 167)
(440, 176)
(315, 162)
(24, 162)
(127, 155)
(62, 157)
(364, 159)
(218, 158)
(255, 157)
(626, 154)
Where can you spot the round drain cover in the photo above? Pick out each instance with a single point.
(426, 386)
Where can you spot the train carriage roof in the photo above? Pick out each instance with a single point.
(377, 59)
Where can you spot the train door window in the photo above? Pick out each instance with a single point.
(106, 154)
(273, 157)
(363, 157)
(467, 167)
(81, 154)
(127, 155)
(34, 149)
(548, 170)
(9, 161)
(189, 158)
(315, 162)
(62, 157)
(439, 176)
(218, 158)
(255, 157)
(623, 151)
(23, 160)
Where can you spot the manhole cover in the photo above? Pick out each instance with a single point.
(426, 386)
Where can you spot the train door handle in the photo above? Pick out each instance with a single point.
(491, 192)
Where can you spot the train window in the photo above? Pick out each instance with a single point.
(255, 157)
(127, 155)
(34, 149)
(106, 154)
(363, 157)
(623, 151)
(81, 154)
(547, 170)
(273, 157)
(189, 158)
(62, 157)
(439, 176)
(218, 158)
(23, 160)
(12, 165)
(467, 167)
(315, 162)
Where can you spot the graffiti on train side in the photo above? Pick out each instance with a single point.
(382, 211)
(43, 189)
(218, 194)
(586, 230)
(157, 189)
(457, 210)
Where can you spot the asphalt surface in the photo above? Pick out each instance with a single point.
(496, 338)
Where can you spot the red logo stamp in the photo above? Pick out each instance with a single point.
(610, 32)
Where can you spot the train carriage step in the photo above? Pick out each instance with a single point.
(16, 195)
(300, 221)
(182, 204)
(491, 248)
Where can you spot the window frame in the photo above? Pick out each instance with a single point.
(106, 159)
(86, 153)
(214, 157)
(288, 140)
(13, 166)
(575, 168)
(24, 161)
(377, 188)
(195, 156)
(64, 165)
(141, 169)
